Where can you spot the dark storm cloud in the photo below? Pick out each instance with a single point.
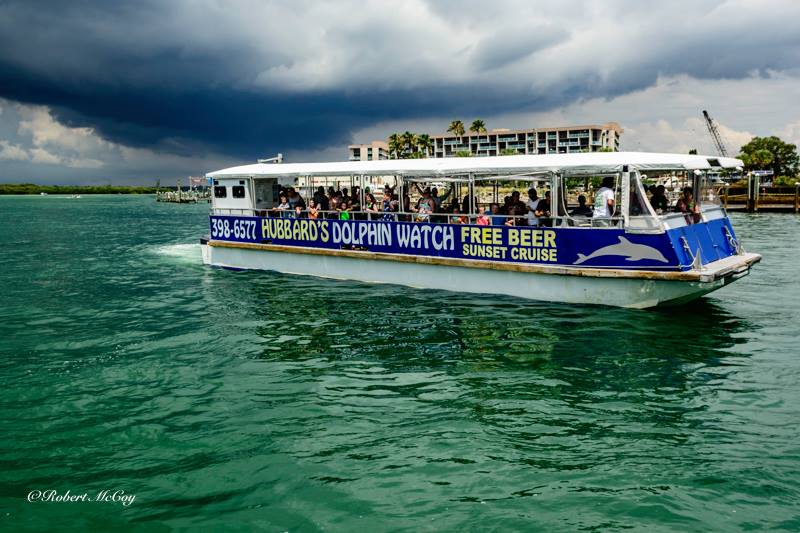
(247, 79)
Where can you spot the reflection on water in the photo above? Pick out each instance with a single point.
(245, 400)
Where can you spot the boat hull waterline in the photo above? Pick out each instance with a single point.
(619, 288)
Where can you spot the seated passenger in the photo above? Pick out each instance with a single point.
(542, 211)
(582, 210)
(483, 219)
(496, 216)
(659, 200)
(516, 219)
(457, 216)
(688, 206)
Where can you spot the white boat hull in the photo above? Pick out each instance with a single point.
(617, 291)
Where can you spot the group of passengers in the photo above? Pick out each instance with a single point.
(604, 202)
(686, 203)
(343, 204)
(336, 204)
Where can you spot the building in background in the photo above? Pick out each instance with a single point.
(561, 140)
(369, 152)
(564, 140)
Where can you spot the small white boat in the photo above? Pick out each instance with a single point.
(634, 255)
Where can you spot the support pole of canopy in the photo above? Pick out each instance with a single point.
(471, 194)
(625, 194)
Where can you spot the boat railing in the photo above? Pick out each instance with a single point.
(437, 217)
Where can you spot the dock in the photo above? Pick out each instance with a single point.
(184, 197)
(757, 199)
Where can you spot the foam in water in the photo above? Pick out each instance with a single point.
(185, 252)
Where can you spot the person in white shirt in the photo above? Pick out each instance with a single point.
(532, 204)
(604, 199)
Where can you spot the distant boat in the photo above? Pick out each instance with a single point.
(75, 196)
(42, 194)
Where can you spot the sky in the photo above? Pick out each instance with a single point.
(97, 92)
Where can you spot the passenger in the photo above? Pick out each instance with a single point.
(604, 199)
(334, 206)
(582, 210)
(295, 198)
(313, 211)
(483, 219)
(542, 211)
(512, 219)
(530, 207)
(425, 207)
(388, 205)
(497, 217)
(659, 200)
(506, 208)
(344, 210)
(355, 204)
(457, 216)
(406, 217)
(371, 205)
(438, 200)
(283, 206)
(688, 206)
(465, 204)
(516, 202)
(298, 212)
(320, 199)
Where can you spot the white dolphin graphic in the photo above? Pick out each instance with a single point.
(627, 249)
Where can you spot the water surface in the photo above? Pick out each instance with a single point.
(258, 401)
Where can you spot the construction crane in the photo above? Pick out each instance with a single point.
(714, 131)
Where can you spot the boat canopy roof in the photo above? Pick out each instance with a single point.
(596, 162)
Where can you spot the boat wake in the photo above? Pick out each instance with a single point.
(189, 253)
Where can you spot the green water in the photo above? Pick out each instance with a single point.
(243, 401)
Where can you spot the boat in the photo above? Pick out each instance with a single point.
(630, 255)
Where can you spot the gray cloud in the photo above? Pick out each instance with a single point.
(242, 79)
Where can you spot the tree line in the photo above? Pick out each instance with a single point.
(410, 145)
(31, 188)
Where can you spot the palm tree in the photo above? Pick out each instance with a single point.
(456, 128)
(424, 143)
(478, 126)
(407, 140)
(395, 146)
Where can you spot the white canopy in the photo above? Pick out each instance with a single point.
(596, 162)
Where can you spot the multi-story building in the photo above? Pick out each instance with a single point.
(564, 140)
(369, 152)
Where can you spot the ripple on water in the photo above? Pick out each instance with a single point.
(242, 400)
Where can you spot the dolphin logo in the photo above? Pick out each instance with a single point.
(627, 249)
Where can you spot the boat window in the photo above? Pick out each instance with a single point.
(711, 184)
(641, 215)
(578, 195)
(220, 191)
(238, 191)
